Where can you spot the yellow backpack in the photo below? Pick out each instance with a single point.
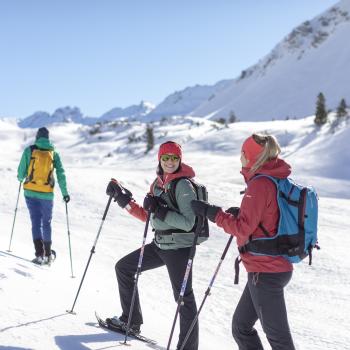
(40, 172)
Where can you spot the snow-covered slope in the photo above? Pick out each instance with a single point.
(34, 300)
(313, 58)
(134, 112)
(185, 101)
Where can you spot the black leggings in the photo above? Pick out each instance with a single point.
(176, 263)
(263, 299)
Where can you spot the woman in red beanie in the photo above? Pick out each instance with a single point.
(258, 216)
(174, 234)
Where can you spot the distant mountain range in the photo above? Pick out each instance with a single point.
(313, 58)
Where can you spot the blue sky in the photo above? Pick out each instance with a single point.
(101, 54)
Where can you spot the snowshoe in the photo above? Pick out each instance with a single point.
(115, 326)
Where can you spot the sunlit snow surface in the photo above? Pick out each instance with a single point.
(34, 300)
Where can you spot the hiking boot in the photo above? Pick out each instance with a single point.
(38, 260)
(47, 247)
(47, 260)
(39, 247)
(116, 321)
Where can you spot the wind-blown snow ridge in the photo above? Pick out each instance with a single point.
(307, 36)
(313, 58)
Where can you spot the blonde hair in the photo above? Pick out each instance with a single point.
(271, 149)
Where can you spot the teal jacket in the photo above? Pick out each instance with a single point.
(22, 171)
(178, 223)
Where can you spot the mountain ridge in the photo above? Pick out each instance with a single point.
(283, 84)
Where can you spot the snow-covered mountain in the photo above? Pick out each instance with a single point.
(64, 114)
(73, 114)
(313, 58)
(185, 101)
(133, 112)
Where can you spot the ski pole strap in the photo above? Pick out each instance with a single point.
(237, 262)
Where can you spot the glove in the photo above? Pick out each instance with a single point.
(201, 208)
(233, 211)
(113, 188)
(161, 210)
(66, 198)
(120, 194)
(150, 203)
(156, 205)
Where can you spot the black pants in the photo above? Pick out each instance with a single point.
(263, 299)
(176, 262)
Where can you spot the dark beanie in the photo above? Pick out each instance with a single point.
(42, 132)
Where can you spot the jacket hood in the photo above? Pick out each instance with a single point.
(276, 167)
(183, 171)
(44, 143)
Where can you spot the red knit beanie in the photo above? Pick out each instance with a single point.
(170, 147)
(252, 150)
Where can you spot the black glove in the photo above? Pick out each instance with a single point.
(201, 208)
(66, 198)
(233, 211)
(150, 203)
(161, 210)
(156, 205)
(120, 194)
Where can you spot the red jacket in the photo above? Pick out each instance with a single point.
(259, 205)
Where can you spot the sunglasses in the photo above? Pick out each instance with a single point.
(166, 157)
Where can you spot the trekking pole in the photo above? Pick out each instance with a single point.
(14, 218)
(138, 271)
(187, 273)
(92, 252)
(70, 249)
(207, 293)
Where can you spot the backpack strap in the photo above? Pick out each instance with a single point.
(172, 196)
(152, 186)
(275, 181)
(263, 229)
(30, 171)
(172, 191)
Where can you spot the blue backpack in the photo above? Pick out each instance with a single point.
(297, 228)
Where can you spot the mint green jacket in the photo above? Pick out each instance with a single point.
(22, 171)
(182, 219)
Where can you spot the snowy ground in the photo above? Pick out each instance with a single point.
(34, 300)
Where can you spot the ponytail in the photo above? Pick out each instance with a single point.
(271, 150)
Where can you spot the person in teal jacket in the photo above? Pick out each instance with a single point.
(36, 169)
(173, 238)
